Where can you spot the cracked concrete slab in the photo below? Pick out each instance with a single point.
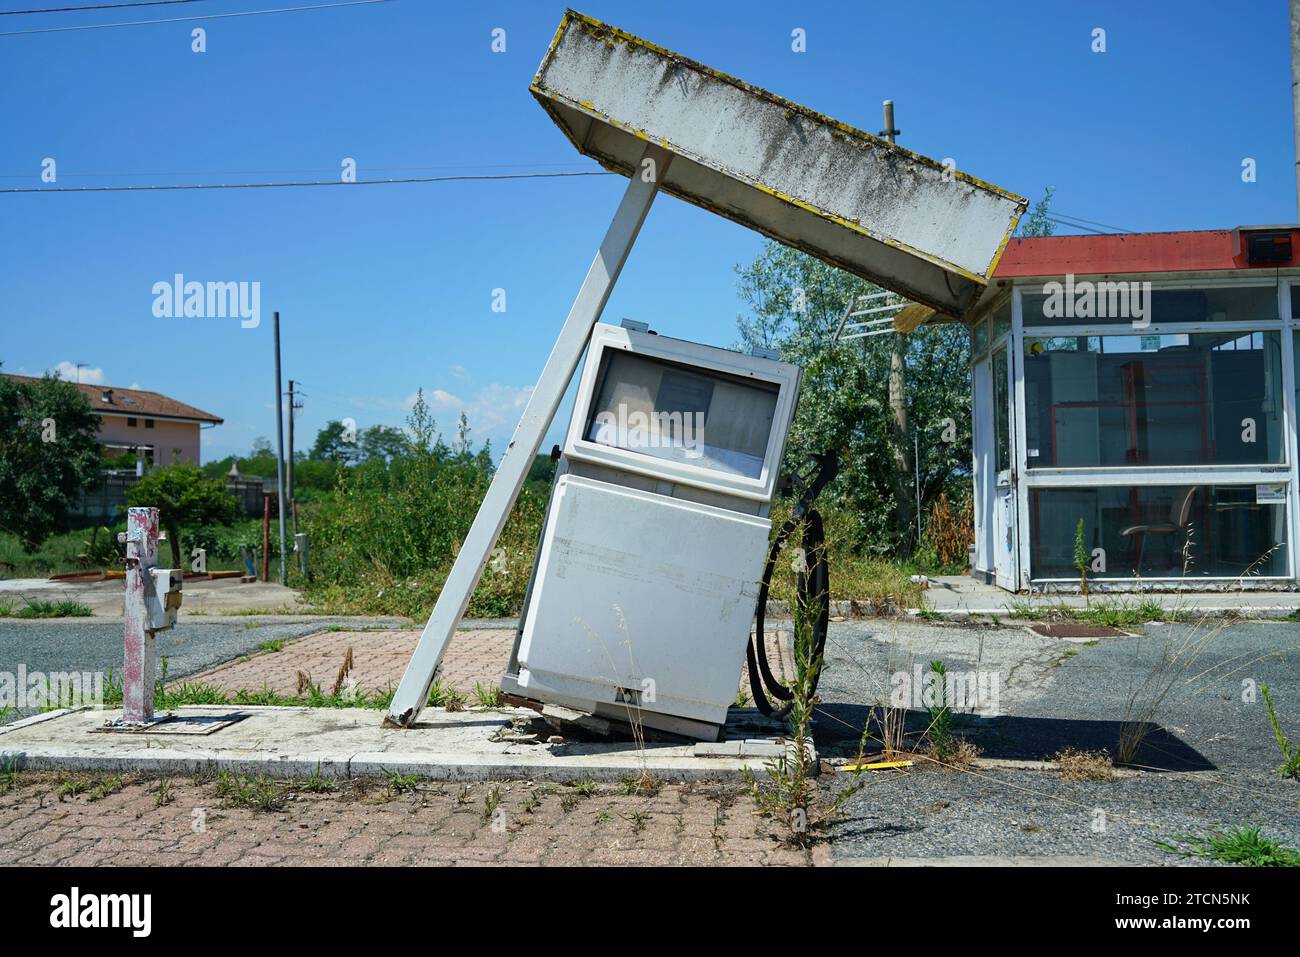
(351, 742)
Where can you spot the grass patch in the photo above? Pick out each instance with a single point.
(1114, 612)
(8, 775)
(109, 785)
(1242, 845)
(487, 697)
(491, 802)
(644, 784)
(397, 783)
(63, 608)
(315, 783)
(1085, 765)
(257, 793)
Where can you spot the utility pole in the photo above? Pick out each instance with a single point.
(1295, 94)
(279, 449)
(898, 424)
(288, 462)
(294, 406)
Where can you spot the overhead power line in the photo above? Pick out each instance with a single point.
(323, 182)
(98, 6)
(206, 16)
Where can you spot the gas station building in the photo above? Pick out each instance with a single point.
(1146, 385)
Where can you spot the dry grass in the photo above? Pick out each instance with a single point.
(958, 755)
(1077, 765)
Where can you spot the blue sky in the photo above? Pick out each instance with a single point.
(386, 289)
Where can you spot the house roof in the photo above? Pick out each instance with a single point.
(110, 400)
(1190, 251)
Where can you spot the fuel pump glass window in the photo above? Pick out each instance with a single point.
(694, 416)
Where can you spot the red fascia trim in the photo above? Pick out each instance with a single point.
(1196, 251)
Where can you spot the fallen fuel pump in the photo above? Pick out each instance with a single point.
(652, 556)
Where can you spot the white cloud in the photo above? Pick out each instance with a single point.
(86, 375)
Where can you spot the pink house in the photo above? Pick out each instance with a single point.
(134, 420)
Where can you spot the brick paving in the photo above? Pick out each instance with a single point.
(50, 818)
(188, 822)
(475, 656)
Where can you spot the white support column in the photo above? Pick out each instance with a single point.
(1019, 451)
(1289, 431)
(413, 691)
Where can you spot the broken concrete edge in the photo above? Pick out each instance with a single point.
(433, 767)
(165, 755)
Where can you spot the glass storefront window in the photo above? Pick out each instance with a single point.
(1001, 320)
(1198, 398)
(1191, 531)
(1124, 302)
(1001, 409)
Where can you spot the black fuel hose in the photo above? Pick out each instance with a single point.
(813, 596)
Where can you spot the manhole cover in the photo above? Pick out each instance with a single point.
(1067, 631)
(177, 724)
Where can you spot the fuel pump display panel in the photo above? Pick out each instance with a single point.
(658, 408)
(683, 412)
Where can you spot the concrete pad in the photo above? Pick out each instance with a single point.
(201, 597)
(351, 742)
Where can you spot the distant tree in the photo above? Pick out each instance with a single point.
(1037, 222)
(333, 444)
(795, 305)
(48, 454)
(184, 499)
(383, 442)
(261, 446)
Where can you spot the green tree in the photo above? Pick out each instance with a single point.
(1038, 223)
(48, 454)
(184, 499)
(795, 306)
(335, 443)
(383, 442)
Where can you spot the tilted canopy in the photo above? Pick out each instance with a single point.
(896, 218)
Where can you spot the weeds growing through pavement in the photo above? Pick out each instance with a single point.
(1242, 845)
(1290, 766)
(316, 783)
(398, 783)
(1076, 765)
(487, 697)
(258, 793)
(1175, 655)
(8, 775)
(788, 793)
(491, 801)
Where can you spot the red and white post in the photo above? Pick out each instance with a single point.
(141, 655)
